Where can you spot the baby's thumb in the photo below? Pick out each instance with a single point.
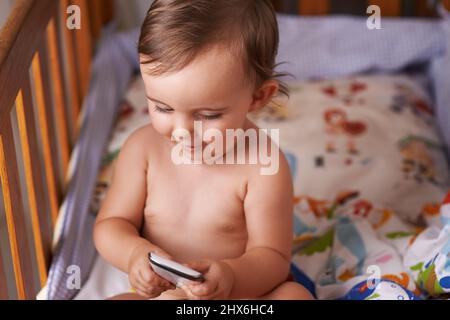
(200, 266)
(163, 254)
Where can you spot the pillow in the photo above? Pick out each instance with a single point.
(374, 135)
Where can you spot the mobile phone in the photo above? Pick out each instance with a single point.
(172, 271)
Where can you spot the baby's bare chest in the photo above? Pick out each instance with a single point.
(194, 202)
(199, 210)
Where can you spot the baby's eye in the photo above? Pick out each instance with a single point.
(210, 116)
(163, 110)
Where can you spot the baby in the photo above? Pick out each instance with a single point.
(206, 63)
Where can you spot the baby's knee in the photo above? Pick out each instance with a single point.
(289, 291)
(127, 296)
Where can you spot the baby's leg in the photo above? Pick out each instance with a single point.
(176, 294)
(288, 291)
(127, 296)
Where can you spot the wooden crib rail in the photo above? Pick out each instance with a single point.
(44, 76)
(417, 8)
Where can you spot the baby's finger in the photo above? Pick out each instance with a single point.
(145, 294)
(139, 289)
(146, 274)
(160, 281)
(142, 286)
(168, 285)
(163, 254)
(200, 266)
(140, 283)
(189, 294)
(151, 278)
(205, 289)
(146, 285)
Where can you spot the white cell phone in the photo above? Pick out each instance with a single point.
(172, 271)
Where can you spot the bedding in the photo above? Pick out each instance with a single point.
(375, 256)
(369, 173)
(310, 48)
(372, 135)
(356, 235)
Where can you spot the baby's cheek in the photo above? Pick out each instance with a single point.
(161, 125)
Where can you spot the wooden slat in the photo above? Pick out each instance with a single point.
(58, 98)
(95, 17)
(12, 26)
(100, 12)
(277, 5)
(446, 4)
(71, 74)
(14, 211)
(313, 7)
(391, 8)
(83, 48)
(50, 115)
(20, 37)
(25, 117)
(348, 7)
(3, 282)
(44, 130)
(423, 9)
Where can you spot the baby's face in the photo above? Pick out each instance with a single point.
(212, 89)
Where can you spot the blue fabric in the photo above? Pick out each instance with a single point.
(311, 48)
(112, 70)
(440, 77)
(300, 277)
(338, 45)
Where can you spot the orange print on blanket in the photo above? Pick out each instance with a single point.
(431, 209)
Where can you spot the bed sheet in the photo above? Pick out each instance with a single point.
(356, 246)
(401, 43)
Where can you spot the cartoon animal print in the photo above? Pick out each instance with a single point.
(384, 290)
(103, 180)
(320, 244)
(325, 208)
(347, 94)
(350, 238)
(427, 278)
(407, 99)
(430, 209)
(362, 208)
(338, 125)
(417, 161)
(316, 206)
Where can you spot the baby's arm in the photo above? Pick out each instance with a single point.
(268, 211)
(116, 232)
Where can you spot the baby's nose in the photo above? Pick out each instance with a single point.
(181, 135)
(184, 130)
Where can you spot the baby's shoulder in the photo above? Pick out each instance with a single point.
(269, 154)
(143, 134)
(143, 140)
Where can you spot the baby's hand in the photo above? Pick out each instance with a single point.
(219, 281)
(142, 277)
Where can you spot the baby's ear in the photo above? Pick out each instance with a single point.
(263, 94)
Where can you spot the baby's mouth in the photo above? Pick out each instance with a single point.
(192, 147)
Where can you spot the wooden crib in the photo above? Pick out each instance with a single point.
(416, 8)
(44, 78)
